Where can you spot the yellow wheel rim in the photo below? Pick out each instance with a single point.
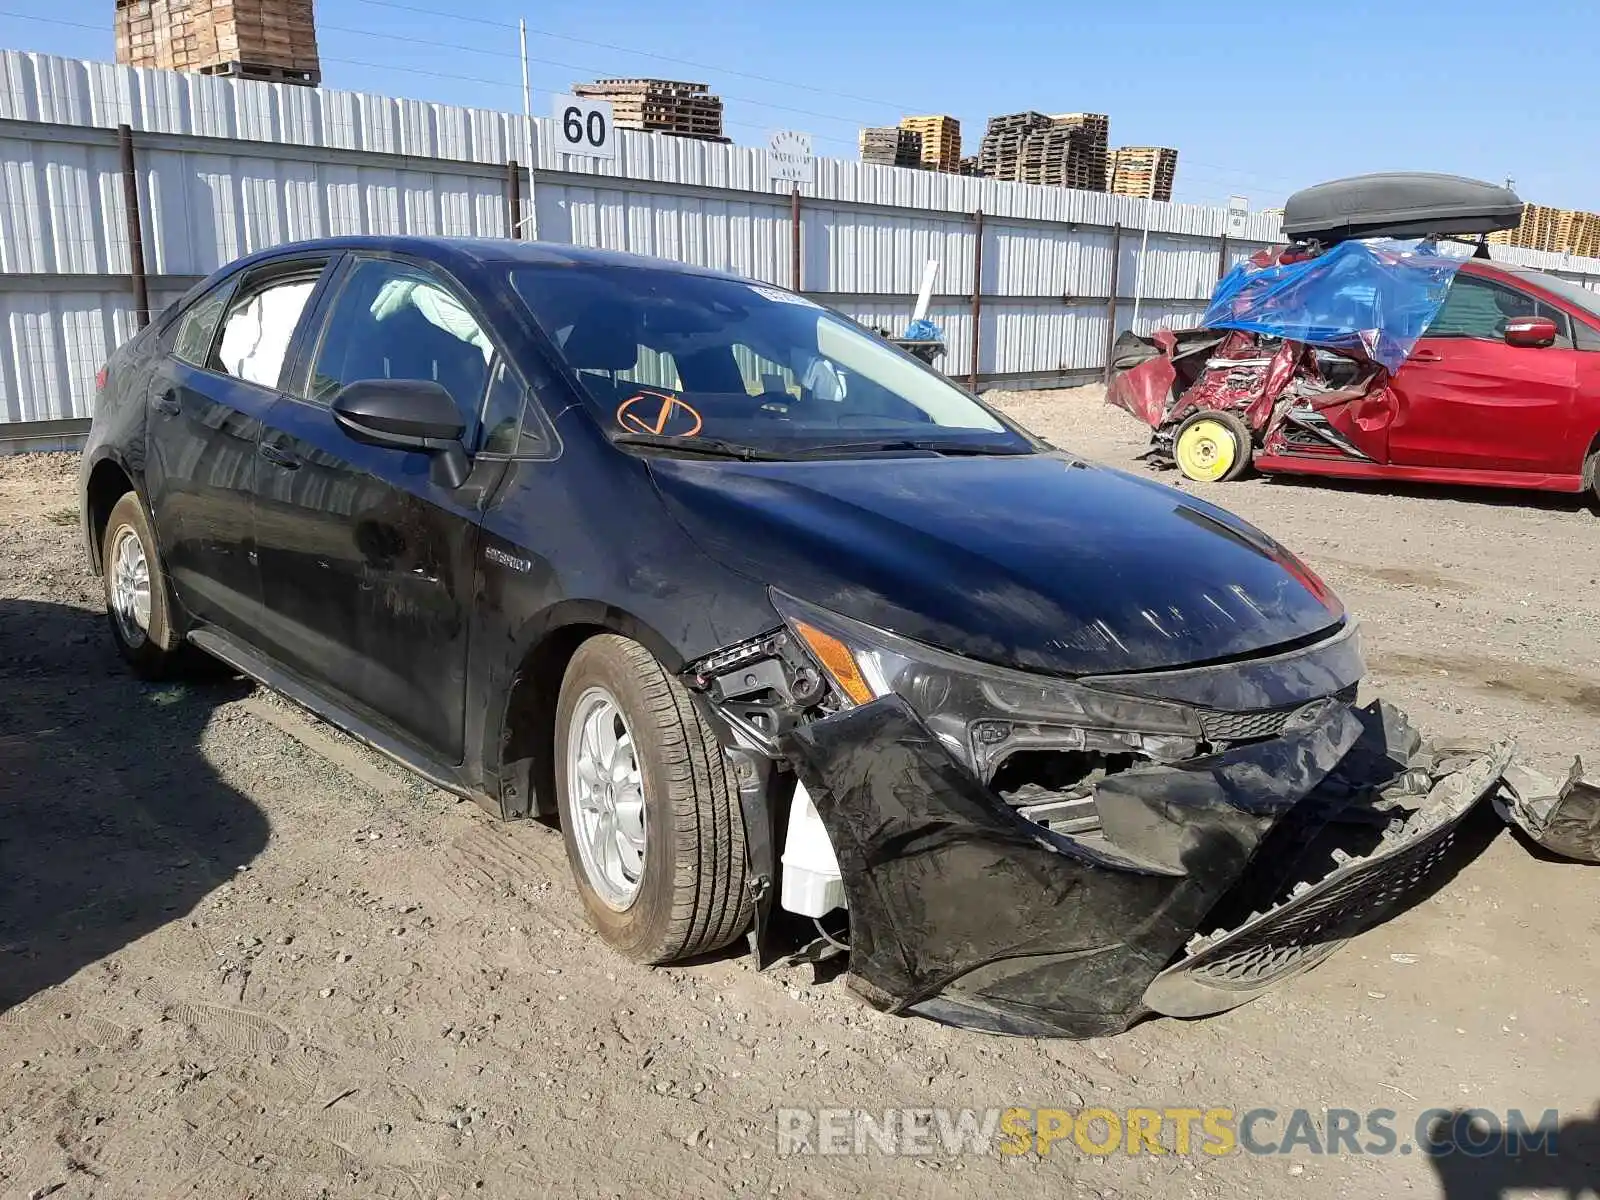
(1206, 451)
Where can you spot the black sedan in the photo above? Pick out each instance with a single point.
(790, 633)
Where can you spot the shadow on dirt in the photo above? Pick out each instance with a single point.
(1576, 503)
(1477, 1157)
(112, 822)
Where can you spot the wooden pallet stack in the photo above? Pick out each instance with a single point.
(1536, 231)
(1096, 128)
(1142, 171)
(1062, 151)
(1542, 228)
(274, 40)
(660, 106)
(891, 146)
(1060, 156)
(941, 140)
(1004, 139)
(1578, 233)
(1587, 243)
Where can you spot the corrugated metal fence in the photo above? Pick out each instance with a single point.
(224, 167)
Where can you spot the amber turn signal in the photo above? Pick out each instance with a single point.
(836, 658)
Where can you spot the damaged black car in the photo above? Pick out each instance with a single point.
(792, 636)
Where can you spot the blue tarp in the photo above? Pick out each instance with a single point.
(1376, 296)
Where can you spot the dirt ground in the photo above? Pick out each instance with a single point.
(242, 957)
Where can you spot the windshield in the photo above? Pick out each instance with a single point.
(665, 355)
(1573, 293)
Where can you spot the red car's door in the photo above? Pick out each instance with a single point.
(1466, 399)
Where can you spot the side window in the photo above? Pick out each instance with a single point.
(259, 324)
(1477, 308)
(394, 321)
(509, 424)
(198, 326)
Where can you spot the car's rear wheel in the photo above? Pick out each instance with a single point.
(144, 620)
(649, 807)
(1212, 447)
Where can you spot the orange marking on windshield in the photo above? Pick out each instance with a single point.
(638, 414)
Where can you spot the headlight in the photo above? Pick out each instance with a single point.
(982, 713)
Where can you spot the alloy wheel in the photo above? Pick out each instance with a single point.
(130, 587)
(607, 791)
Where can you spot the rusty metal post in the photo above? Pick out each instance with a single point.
(1111, 300)
(130, 203)
(1222, 256)
(514, 199)
(977, 299)
(794, 238)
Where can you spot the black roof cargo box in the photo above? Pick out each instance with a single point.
(1398, 204)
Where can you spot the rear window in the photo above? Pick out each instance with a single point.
(198, 326)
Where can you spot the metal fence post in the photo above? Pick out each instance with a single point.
(794, 238)
(1111, 300)
(977, 300)
(1222, 256)
(514, 199)
(130, 200)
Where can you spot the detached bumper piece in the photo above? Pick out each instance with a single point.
(1564, 819)
(963, 910)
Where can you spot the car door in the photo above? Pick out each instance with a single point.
(1467, 400)
(207, 396)
(366, 558)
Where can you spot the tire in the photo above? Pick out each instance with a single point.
(145, 622)
(685, 894)
(1217, 448)
(1591, 480)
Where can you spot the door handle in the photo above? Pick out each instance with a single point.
(1426, 356)
(278, 456)
(169, 402)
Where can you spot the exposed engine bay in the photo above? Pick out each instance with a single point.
(1292, 397)
(1032, 855)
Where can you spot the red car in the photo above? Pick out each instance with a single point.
(1502, 390)
(1411, 367)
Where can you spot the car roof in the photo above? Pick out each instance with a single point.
(487, 251)
(1509, 272)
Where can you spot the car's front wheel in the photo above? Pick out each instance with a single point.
(649, 807)
(1212, 447)
(144, 620)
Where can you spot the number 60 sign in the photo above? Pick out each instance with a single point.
(584, 127)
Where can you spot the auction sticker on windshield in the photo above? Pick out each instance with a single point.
(780, 296)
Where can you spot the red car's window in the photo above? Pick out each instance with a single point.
(1479, 308)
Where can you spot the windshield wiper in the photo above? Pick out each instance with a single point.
(935, 447)
(715, 447)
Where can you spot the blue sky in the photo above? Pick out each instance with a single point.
(1258, 101)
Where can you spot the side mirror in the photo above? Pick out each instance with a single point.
(1530, 332)
(406, 414)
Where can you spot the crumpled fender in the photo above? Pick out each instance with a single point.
(1142, 378)
(971, 914)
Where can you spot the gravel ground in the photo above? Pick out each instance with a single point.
(242, 956)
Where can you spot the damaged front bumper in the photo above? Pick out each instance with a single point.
(964, 910)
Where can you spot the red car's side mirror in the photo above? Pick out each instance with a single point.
(1530, 331)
